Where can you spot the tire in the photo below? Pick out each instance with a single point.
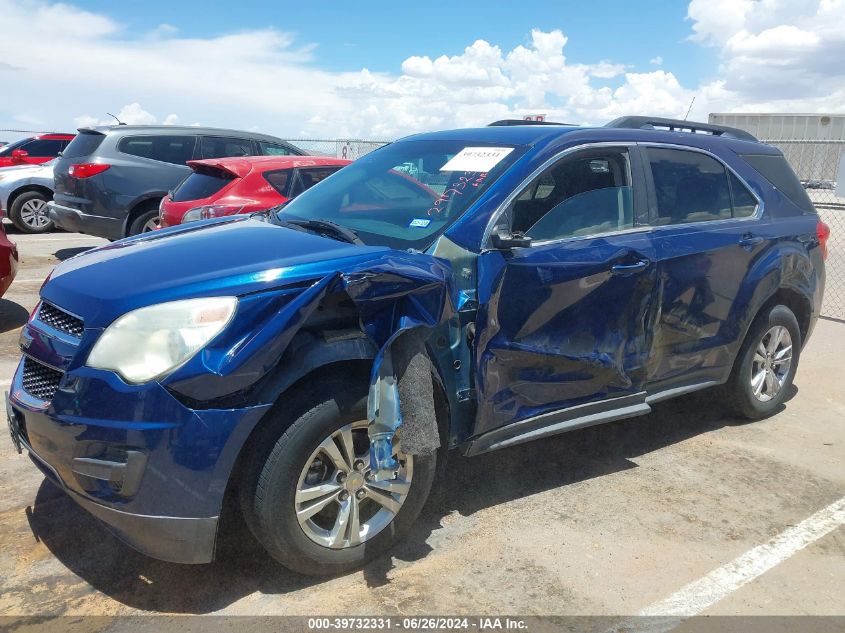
(748, 397)
(29, 213)
(269, 488)
(141, 224)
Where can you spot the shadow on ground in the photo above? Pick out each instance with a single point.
(66, 253)
(12, 315)
(469, 485)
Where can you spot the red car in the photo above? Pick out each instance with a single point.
(34, 150)
(8, 260)
(224, 186)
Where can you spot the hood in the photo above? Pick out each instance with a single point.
(229, 256)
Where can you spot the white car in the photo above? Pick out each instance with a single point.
(25, 191)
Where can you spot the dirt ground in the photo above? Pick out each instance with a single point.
(606, 520)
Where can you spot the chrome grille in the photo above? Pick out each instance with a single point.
(60, 320)
(38, 380)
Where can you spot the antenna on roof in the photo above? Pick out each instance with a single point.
(689, 108)
(119, 122)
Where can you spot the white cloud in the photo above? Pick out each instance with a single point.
(774, 55)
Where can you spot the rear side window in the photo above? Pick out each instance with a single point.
(223, 147)
(274, 149)
(690, 187)
(43, 148)
(167, 149)
(279, 180)
(201, 185)
(307, 178)
(83, 144)
(777, 171)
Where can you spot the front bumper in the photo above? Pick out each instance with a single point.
(150, 468)
(75, 221)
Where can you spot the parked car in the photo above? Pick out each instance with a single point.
(24, 194)
(34, 150)
(8, 260)
(469, 289)
(225, 186)
(110, 180)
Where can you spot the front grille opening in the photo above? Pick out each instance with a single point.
(38, 380)
(60, 320)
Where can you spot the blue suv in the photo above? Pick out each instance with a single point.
(468, 289)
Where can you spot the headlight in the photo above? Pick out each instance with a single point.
(153, 341)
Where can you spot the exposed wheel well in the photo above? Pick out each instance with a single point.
(26, 189)
(345, 368)
(795, 301)
(149, 204)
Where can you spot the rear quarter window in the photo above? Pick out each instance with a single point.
(777, 171)
(176, 150)
(84, 144)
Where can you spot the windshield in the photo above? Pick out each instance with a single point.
(405, 194)
(7, 150)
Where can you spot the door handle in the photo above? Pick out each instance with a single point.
(630, 269)
(750, 240)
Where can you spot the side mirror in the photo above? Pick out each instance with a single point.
(504, 240)
(18, 155)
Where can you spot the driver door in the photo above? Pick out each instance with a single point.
(564, 325)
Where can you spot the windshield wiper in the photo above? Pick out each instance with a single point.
(325, 226)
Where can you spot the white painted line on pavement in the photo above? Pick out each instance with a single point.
(701, 594)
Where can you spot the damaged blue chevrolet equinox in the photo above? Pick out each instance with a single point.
(468, 289)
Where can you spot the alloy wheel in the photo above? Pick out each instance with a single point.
(34, 214)
(771, 363)
(338, 503)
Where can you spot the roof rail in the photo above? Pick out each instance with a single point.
(677, 125)
(509, 122)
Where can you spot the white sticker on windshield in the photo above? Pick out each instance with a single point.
(421, 223)
(476, 159)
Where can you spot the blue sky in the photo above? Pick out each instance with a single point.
(378, 35)
(385, 69)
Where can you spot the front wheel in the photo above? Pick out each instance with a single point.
(766, 364)
(313, 503)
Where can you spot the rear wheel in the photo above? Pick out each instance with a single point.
(313, 503)
(147, 221)
(766, 364)
(29, 213)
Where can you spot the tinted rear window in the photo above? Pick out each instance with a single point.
(201, 185)
(84, 144)
(167, 149)
(778, 172)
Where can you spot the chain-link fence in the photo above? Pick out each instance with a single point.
(817, 162)
(339, 148)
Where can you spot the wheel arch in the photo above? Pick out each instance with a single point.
(149, 202)
(26, 189)
(343, 360)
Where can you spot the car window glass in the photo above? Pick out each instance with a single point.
(168, 149)
(585, 194)
(273, 149)
(778, 172)
(689, 186)
(307, 178)
(43, 147)
(744, 202)
(83, 144)
(221, 147)
(201, 184)
(278, 179)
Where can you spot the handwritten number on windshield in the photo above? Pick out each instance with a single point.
(469, 179)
